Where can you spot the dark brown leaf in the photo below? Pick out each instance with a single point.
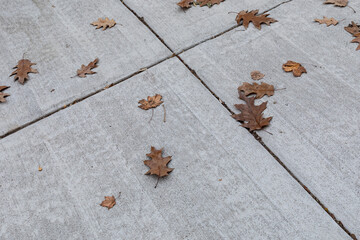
(109, 202)
(23, 69)
(251, 115)
(3, 95)
(294, 67)
(246, 17)
(158, 164)
(185, 3)
(87, 69)
(259, 90)
(353, 28)
(151, 102)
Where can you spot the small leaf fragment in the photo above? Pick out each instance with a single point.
(151, 102)
(158, 164)
(259, 90)
(87, 69)
(338, 3)
(23, 68)
(296, 68)
(3, 95)
(109, 202)
(256, 75)
(251, 115)
(327, 21)
(104, 23)
(246, 17)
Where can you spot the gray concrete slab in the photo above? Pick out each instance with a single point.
(95, 148)
(57, 35)
(181, 29)
(316, 119)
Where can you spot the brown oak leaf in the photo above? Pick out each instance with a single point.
(151, 102)
(251, 115)
(158, 164)
(357, 40)
(353, 28)
(338, 3)
(87, 69)
(294, 67)
(104, 23)
(109, 202)
(246, 17)
(23, 68)
(327, 21)
(259, 90)
(185, 3)
(256, 75)
(208, 3)
(3, 95)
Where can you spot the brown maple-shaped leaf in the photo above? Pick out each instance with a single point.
(259, 90)
(294, 67)
(109, 202)
(251, 115)
(158, 164)
(353, 28)
(104, 23)
(87, 69)
(23, 68)
(246, 17)
(151, 102)
(3, 95)
(208, 3)
(256, 75)
(327, 21)
(338, 3)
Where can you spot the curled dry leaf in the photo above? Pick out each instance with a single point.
(259, 90)
(3, 95)
(23, 69)
(87, 69)
(189, 3)
(109, 202)
(251, 115)
(151, 102)
(104, 23)
(294, 67)
(338, 3)
(327, 21)
(246, 17)
(256, 75)
(158, 164)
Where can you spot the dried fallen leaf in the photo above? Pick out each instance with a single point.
(327, 21)
(23, 69)
(294, 67)
(338, 3)
(3, 95)
(256, 75)
(208, 3)
(185, 3)
(259, 90)
(357, 40)
(87, 69)
(353, 28)
(151, 102)
(40, 169)
(158, 164)
(251, 115)
(104, 23)
(246, 17)
(109, 202)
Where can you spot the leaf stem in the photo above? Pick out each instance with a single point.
(152, 114)
(164, 112)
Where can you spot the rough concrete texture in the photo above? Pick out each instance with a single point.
(181, 29)
(57, 35)
(95, 149)
(316, 118)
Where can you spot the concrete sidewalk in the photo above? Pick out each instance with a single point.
(299, 182)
